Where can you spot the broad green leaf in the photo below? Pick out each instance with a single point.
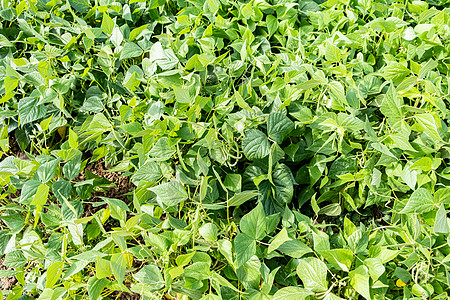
(150, 171)
(294, 248)
(103, 268)
(272, 24)
(339, 258)
(245, 248)
(107, 24)
(30, 110)
(359, 279)
(130, 50)
(116, 37)
(80, 5)
(255, 145)
(395, 71)
(53, 274)
(41, 196)
(422, 290)
(283, 185)
(441, 221)
(15, 260)
(209, 232)
(391, 106)
(241, 102)
(279, 126)
(15, 221)
(241, 198)
(170, 193)
(291, 293)
(151, 276)
(198, 270)
(429, 126)
(95, 286)
(332, 53)
(420, 201)
(4, 42)
(253, 224)
(279, 240)
(162, 150)
(313, 273)
(376, 268)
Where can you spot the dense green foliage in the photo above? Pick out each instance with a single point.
(275, 149)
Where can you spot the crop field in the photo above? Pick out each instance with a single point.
(224, 149)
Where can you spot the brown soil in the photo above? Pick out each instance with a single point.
(6, 283)
(126, 296)
(121, 186)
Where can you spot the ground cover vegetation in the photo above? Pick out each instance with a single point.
(224, 149)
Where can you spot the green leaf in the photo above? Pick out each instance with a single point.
(255, 145)
(341, 259)
(4, 42)
(162, 150)
(241, 102)
(429, 126)
(233, 182)
(359, 279)
(80, 5)
(107, 24)
(292, 293)
(376, 267)
(15, 260)
(441, 222)
(283, 184)
(15, 222)
(272, 24)
(422, 290)
(30, 110)
(150, 275)
(170, 193)
(198, 270)
(294, 248)
(420, 201)
(150, 171)
(391, 106)
(332, 53)
(245, 248)
(241, 198)
(395, 71)
(47, 170)
(95, 286)
(130, 50)
(41, 196)
(118, 267)
(29, 190)
(279, 126)
(103, 268)
(209, 232)
(313, 273)
(116, 202)
(279, 240)
(253, 224)
(53, 274)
